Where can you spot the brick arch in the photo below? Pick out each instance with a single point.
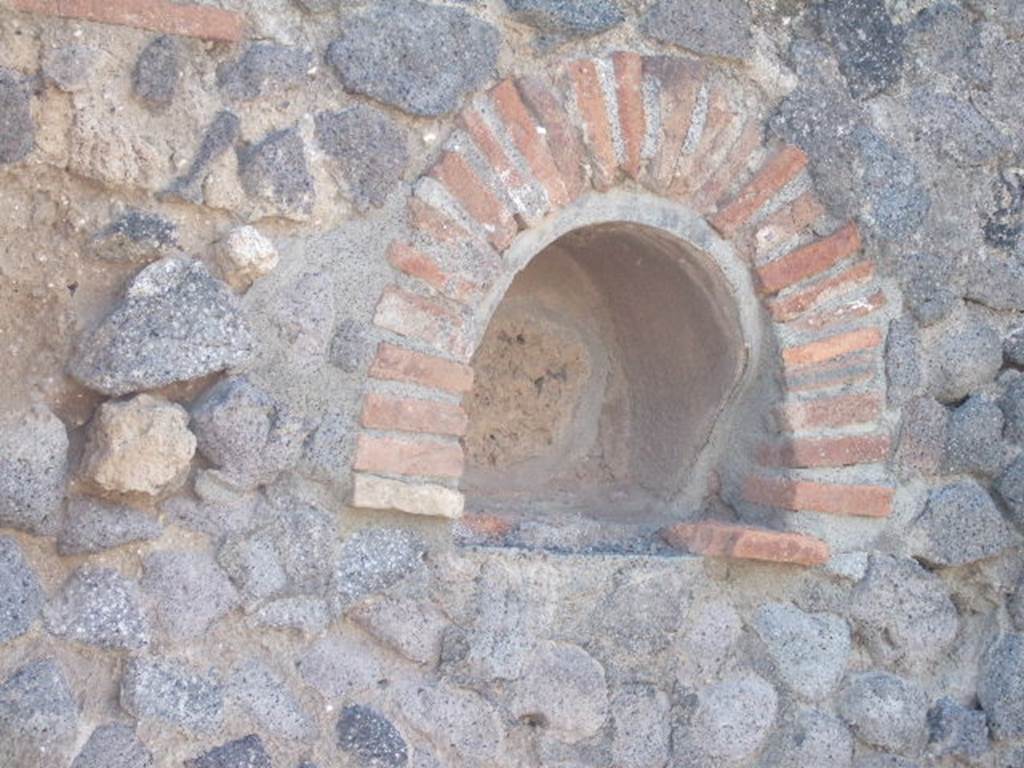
(679, 130)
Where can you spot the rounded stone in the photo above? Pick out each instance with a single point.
(960, 525)
(38, 715)
(188, 591)
(167, 691)
(567, 18)
(974, 438)
(99, 606)
(732, 719)
(158, 72)
(1010, 487)
(1001, 687)
(640, 715)
(91, 526)
(370, 738)
(712, 27)
(247, 752)
(885, 711)
(139, 446)
(244, 256)
(21, 597)
(274, 172)
(963, 359)
(806, 738)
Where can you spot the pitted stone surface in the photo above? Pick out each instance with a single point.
(974, 439)
(21, 597)
(810, 650)
(113, 746)
(1010, 487)
(564, 686)
(904, 613)
(99, 606)
(1012, 403)
(958, 732)
(732, 720)
(712, 630)
(963, 359)
(410, 627)
(17, 129)
(158, 72)
(308, 615)
(903, 369)
(868, 44)
(69, 67)
(33, 471)
(38, 715)
(809, 737)
(713, 27)
(368, 147)
(175, 323)
(246, 433)
(274, 172)
(885, 711)
(370, 739)
(247, 752)
(925, 280)
(373, 560)
(961, 524)
(168, 691)
(567, 18)
(136, 236)
(263, 70)
(340, 668)
(420, 58)
(140, 446)
(640, 717)
(646, 609)
(1001, 687)
(268, 700)
(189, 592)
(955, 128)
(459, 719)
(92, 526)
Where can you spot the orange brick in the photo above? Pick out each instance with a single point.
(809, 260)
(472, 122)
(786, 308)
(406, 414)
(851, 309)
(395, 456)
(832, 347)
(739, 542)
(523, 130)
(789, 221)
(434, 224)
(415, 263)
(837, 451)
(725, 129)
(597, 130)
(734, 163)
(629, 91)
(779, 170)
(831, 412)
(394, 363)
(812, 496)
(417, 317)
(156, 15)
(482, 205)
(679, 82)
(844, 371)
(561, 135)
(719, 116)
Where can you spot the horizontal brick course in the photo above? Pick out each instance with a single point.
(484, 526)
(778, 171)
(417, 317)
(831, 412)
(394, 363)
(372, 492)
(809, 260)
(714, 539)
(831, 347)
(833, 451)
(397, 456)
(789, 307)
(844, 371)
(787, 222)
(406, 414)
(415, 263)
(813, 496)
(155, 15)
(843, 312)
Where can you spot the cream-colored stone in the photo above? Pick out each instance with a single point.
(372, 492)
(244, 256)
(139, 446)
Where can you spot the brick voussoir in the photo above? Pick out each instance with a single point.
(831, 347)
(812, 496)
(739, 542)
(629, 93)
(385, 455)
(418, 317)
(832, 451)
(809, 260)
(679, 83)
(170, 18)
(408, 414)
(561, 135)
(478, 200)
(791, 306)
(597, 130)
(831, 412)
(778, 171)
(395, 363)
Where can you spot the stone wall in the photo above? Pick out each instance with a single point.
(247, 253)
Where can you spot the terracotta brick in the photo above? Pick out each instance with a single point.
(372, 492)
(407, 414)
(476, 199)
(417, 317)
(791, 306)
(394, 363)
(732, 165)
(809, 260)
(433, 224)
(720, 114)
(415, 263)
(629, 90)
(724, 130)
(845, 311)
(739, 542)
(529, 139)
(560, 134)
(834, 451)
(847, 370)
(155, 15)
(778, 171)
(679, 82)
(787, 222)
(831, 412)
(484, 526)
(813, 496)
(832, 347)
(472, 122)
(397, 456)
(597, 130)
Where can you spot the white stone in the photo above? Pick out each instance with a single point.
(372, 492)
(244, 256)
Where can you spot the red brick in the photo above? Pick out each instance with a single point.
(813, 496)
(724, 130)
(415, 263)
(406, 414)
(790, 307)
(417, 317)
(844, 371)
(597, 130)
(679, 82)
(629, 91)
(472, 122)
(528, 139)
(719, 115)
(834, 451)
(851, 309)
(809, 260)
(435, 225)
(733, 165)
(832, 347)
(787, 222)
(779, 170)
(831, 412)
(482, 205)
(394, 363)
(396, 456)
(739, 542)
(155, 15)
(560, 133)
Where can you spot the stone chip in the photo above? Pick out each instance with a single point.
(21, 596)
(33, 470)
(166, 690)
(114, 746)
(370, 738)
(38, 715)
(960, 525)
(17, 128)
(99, 606)
(885, 710)
(92, 526)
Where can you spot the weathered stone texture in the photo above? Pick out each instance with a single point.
(113, 746)
(158, 72)
(33, 471)
(885, 711)
(169, 692)
(99, 606)
(38, 715)
(810, 650)
(719, 28)
(17, 129)
(21, 596)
